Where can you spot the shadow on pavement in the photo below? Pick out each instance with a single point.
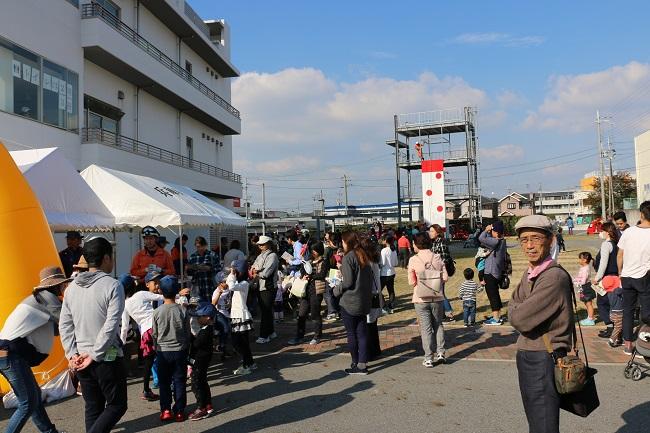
(637, 419)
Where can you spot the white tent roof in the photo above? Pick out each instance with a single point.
(68, 202)
(140, 201)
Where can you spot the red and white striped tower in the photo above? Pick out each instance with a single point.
(433, 192)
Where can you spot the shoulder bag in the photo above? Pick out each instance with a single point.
(574, 379)
(429, 284)
(299, 288)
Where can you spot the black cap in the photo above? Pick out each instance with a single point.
(73, 234)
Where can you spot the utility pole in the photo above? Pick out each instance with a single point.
(263, 209)
(246, 199)
(610, 156)
(541, 205)
(345, 188)
(602, 168)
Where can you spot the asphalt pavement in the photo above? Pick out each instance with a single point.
(300, 392)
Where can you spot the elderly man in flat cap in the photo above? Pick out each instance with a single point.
(540, 309)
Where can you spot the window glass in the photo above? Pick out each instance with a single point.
(55, 87)
(6, 78)
(27, 79)
(94, 120)
(72, 101)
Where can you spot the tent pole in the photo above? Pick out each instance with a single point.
(180, 236)
(114, 253)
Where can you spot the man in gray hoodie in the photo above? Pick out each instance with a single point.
(89, 326)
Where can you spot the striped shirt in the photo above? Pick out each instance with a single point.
(467, 291)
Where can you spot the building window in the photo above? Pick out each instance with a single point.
(103, 116)
(512, 205)
(189, 145)
(188, 67)
(36, 88)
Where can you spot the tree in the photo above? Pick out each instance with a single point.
(624, 186)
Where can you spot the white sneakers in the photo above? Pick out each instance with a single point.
(262, 340)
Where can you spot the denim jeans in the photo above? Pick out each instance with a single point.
(331, 301)
(356, 328)
(22, 381)
(469, 312)
(222, 324)
(172, 366)
(537, 386)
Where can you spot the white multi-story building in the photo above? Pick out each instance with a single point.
(141, 86)
(642, 161)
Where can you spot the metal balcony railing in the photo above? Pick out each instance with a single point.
(446, 155)
(196, 19)
(94, 10)
(429, 118)
(96, 135)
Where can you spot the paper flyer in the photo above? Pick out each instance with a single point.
(61, 101)
(15, 67)
(47, 81)
(68, 100)
(36, 76)
(27, 73)
(55, 84)
(61, 87)
(287, 257)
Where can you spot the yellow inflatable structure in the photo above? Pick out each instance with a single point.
(26, 246)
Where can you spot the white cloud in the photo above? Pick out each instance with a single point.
(572, 100)
(505, 152)
(301, 121)
(501, 39)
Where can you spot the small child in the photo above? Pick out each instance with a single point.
(200, 357)
(616, 316)
(560, 240)
(479, 262)
(171, 332)
(278, 302)
(241, 321)
(583, 284)
(221, 299)
(467, 293)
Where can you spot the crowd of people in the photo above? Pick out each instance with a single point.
(176, 324)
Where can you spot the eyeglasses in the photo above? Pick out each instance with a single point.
(536, 240)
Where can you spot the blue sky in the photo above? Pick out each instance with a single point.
(319, 78)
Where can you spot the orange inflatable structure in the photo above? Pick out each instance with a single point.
(27, 246)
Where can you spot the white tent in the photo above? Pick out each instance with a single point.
(140, 201)
(68, 202)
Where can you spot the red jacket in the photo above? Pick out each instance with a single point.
(142, 259)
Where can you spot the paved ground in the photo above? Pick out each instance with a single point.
(309, 393)
(302, 388)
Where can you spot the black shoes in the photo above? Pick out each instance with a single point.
(356, 370)
(607, 332)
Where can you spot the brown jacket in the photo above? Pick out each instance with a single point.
(546, 307)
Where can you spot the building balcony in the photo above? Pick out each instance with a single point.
(197, 34)
(114, 46)
(115, 151)
(451, 158)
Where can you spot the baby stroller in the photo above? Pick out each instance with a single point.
(636, 370)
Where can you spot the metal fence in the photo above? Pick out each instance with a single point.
(446, 155)
(96, 135)
(428, 118)
(94, 10)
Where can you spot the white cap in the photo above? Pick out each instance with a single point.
(264, 240)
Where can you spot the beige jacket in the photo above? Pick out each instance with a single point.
(416, 267)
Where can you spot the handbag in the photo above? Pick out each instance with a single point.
(299, 288)
(429, 285)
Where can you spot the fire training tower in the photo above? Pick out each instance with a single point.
(449, 135)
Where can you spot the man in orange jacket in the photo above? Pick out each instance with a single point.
(151, 257)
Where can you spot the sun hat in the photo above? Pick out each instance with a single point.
(81, 264)
(51, 276)
(540, 222)
(150, 231)
(152, 275)
(194, 300)
(264, 240)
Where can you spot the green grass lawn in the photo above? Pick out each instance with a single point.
(464, 257)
